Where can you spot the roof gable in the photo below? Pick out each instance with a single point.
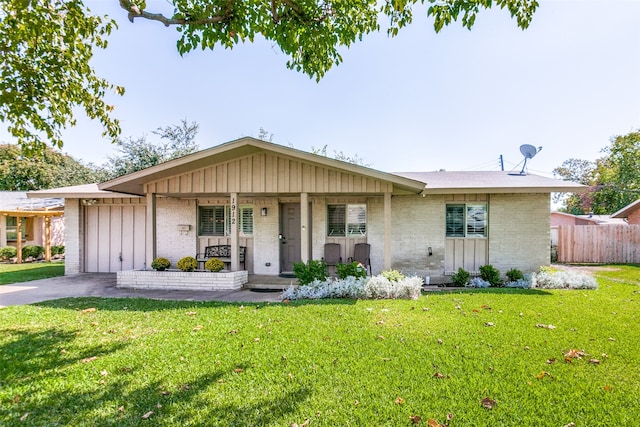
(254, 166)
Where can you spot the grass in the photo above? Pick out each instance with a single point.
(14, 273)
(336, 363)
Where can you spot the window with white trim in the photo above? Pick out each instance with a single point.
(466, 220)
(216, 220)
(347, 220)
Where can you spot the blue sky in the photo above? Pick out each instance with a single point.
(417, 102)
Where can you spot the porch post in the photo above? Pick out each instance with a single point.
(19, 239)
(235, 250)
(47, 238)
(387, 231)
(304, 227)
(150, 232)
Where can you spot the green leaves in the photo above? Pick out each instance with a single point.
(45, 73)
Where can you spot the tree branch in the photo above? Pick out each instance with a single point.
(135, 12)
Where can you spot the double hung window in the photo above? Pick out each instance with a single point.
(466, 220)
(347, 220)
(216, 220)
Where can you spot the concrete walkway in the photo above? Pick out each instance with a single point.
(104, 285)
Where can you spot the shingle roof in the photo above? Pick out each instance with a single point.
(17, 200)
(490, 182)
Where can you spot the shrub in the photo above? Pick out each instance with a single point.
(520, 283)
(354, 269)
(33, 251)
(478, 282)
(8, 252)
(214, 264)
(562, 280)
(376, 287)
(160, 264)
(349, 287)
(490, 274)
(187, 263)
(392, 275)
(312, 270)
(57, 250)
(379, 287)
(461, 278)
(514, 275)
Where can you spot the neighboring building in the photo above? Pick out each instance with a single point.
(16, 207)
(630, 213)
(284, 205)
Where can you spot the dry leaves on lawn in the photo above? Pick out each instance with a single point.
(89, 310)
(488, 403)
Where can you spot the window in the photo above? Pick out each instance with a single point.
(349, 220)
(12, 228)
(216, 220)
(466, 220)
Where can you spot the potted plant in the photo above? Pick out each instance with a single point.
(187, 263)
(160, 264)
(214, 264)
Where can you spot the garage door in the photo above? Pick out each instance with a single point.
(115, 238)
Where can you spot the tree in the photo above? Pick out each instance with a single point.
(356, 160)
(46, 46)
(48, 169)
(613, 180)
(580, 171)
(617, 175)
(137, 154)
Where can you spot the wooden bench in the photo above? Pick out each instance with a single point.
(222, 252)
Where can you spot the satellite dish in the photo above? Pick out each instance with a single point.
(529, 152)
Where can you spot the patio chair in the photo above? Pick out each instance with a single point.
(332, 256)
(361, 253)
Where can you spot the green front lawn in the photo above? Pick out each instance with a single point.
(14, 273)
(89, 361)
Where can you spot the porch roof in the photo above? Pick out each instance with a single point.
(88, 191)
(133, 183)
(624, 212)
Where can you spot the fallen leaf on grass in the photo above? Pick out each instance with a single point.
(88, 359)
(594, 361)
(415, 419)
(574, 354)
(380, 337)
(486, 307)
(304, 424)
(439, 375)
(543, 326)
(16, 399)
(89, 310)
(104, 373)
(433, 423)
(121, 409)
(197, 328)
(24, 417)
(256, 340)
(488, 403)
(489, 324)
(551, 361)
(381, 322)
(439, 341)
(147, 415)
(399, 400)
(543, 374)
(607, 388)
(238, 370)
(165, 393)
(191, 313)
(570, 425)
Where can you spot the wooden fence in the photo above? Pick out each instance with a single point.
(599, 243)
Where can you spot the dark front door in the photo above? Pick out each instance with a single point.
(289, 236)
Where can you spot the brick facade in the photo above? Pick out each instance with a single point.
(171, 242)
(73, 237)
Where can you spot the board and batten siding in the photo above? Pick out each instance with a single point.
(114, 237)
(267, 173)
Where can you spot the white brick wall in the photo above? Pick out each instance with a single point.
(73, 237)
(179, 280)
(519, 231)
(265, 237)
(172, 243)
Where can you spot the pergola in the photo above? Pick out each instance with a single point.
(22, 214)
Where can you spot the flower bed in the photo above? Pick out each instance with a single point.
(179, 280)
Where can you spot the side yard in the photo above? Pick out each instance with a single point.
(15, 273)
(481, 357)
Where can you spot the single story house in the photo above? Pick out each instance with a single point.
(630, 213)
(30, 216)
(284, 205)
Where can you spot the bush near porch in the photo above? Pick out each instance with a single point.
(334, 362)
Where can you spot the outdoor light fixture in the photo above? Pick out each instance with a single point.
(89, 202)
(430, 251)
(263, 212)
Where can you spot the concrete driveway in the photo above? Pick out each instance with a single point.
(104, 285)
